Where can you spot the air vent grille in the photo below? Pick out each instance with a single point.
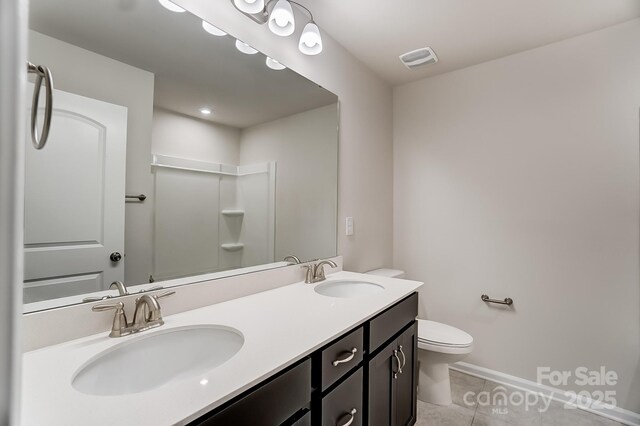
(419, 57)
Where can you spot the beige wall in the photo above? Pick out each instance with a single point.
(88, 74)
(365, 152)
(519, 177)
(304, 147)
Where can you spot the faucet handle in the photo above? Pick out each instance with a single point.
(154, 288)
(165, 294)
(108, 307)
(96, 298)
(120, 324)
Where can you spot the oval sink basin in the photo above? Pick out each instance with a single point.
(148, 362)
(348, 288)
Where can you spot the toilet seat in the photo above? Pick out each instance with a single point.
(435, 334)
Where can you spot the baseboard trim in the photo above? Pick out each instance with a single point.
(614, 413)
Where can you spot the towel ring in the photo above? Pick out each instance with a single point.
(42, 73)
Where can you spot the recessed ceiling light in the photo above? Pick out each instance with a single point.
(212, 29)
(171, 6)
(274, 65)
(205, 110)
(245, 48)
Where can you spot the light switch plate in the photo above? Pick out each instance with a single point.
(349, 226)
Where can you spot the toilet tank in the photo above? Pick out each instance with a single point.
(391, 273)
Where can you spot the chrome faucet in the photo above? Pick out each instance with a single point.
(315, 272)
(147, 315)
(295, 259)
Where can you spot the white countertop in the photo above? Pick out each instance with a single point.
(280, 327)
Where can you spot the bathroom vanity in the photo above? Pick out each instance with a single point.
(366, 376)
(303, 358)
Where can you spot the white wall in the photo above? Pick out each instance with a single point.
(182, 136)
(304, 149)
(519, 178)
(13, 17)
(88, 74)
(365, 152)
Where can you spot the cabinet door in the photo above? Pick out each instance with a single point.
(381, 387)
(407, 381)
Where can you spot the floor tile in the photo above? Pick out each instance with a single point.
(438, 415)
(464, 384)
(558, 415)
(500, 404)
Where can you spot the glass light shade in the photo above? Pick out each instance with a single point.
(249, 6)
(274, 65)
(310, 40)
(171, 6)
(212, 29)
(281, 20)
(245, 48)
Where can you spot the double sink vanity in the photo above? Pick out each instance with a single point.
(338, 352)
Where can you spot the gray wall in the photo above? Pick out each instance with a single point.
(304, 147)
(519, 178)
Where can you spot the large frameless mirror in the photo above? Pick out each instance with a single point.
(176, 154)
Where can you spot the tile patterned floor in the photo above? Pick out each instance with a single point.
(467, 411)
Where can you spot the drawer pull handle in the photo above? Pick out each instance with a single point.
(404, 358)
(395, 355)
(351, 353)
(348, 418)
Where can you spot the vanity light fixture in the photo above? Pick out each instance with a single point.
(245, 48)
(205, 110)
(274, 65)
(279, 16)
(212, 29)
(249, 6)
(310, 40)
(168, 4)
(281, 20)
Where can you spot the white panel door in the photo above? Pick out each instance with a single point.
(74, 200)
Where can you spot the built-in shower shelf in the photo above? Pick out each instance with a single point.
(232, 246)
(233, 213)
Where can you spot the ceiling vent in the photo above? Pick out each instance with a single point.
(419, 57)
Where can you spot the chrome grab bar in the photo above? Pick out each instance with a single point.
(140, 197)
(506, 301)
(348, 358)
(42, 73)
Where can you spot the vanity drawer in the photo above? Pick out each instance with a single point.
(344, 402)
(388, 323)
(271, 404)
(340, 357)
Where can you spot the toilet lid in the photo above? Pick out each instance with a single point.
(442, 334)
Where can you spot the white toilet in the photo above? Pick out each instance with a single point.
(438, 346)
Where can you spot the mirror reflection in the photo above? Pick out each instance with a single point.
(168, 165)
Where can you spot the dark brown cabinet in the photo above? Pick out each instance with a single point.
(392, 384)
(367, 376)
